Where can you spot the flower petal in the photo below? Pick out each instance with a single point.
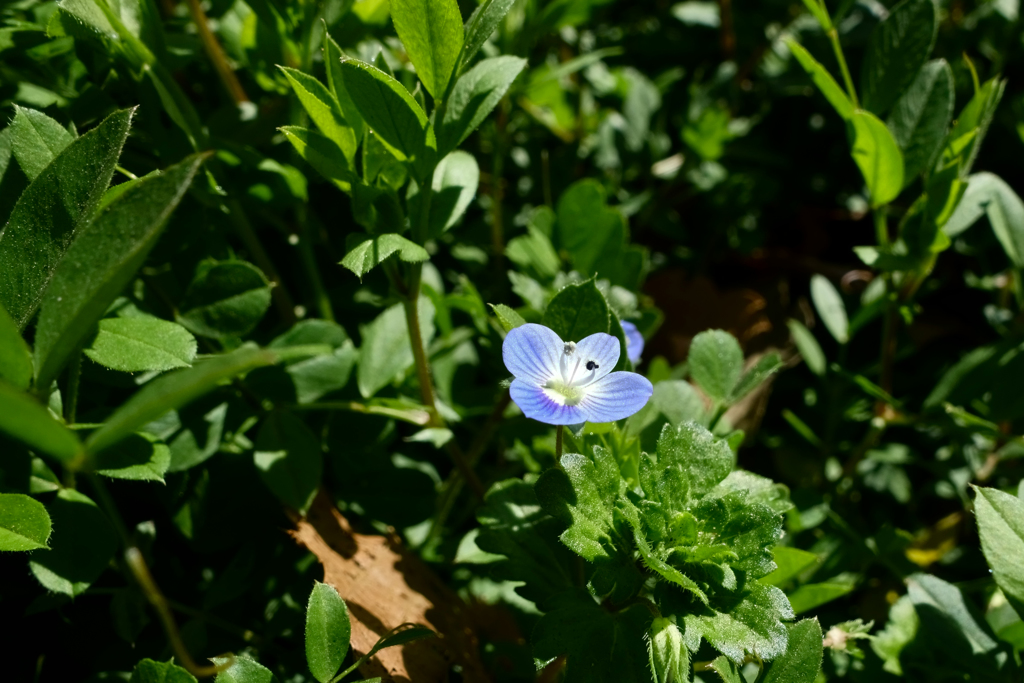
(531, 352)
(616, 396)
(538, 405)
(634, 342)
(601, 348)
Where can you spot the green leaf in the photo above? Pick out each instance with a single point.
(716, 363)
(369, 252)
(324, 109)
(327, 632)
(321, 374)
(900, 630)
(455, 184)
(1005, 212)
(15, 355)
(899, 46)
(323, 154)
(431, 31)
(921, 116)
(582, 497)
(290, 459)
(534, 253)
(48, 214)
(1001, 528)
(596, 236)
(391, 113)
(722, 665)
(512, 524)
(970, 127)
(101, 263)
(243, 670)
(808, 347)
(475, 95)
(173, 391)
(802, 660)
(333, 57)
(140, 457)
(944, 612)
(481, 24)
(27, 421)
(508, 318)
(754, 624)
(791, 562)
(400, 635)
(578, 311)
(818, 11)
(24, 523)
(766, 366)
(386, 351)
(823, 80)
(226, 299)
(877, 155)
(688, 463)
(37, 140)
(830, 307)
(811, 595)
(82, 544)
(679, 402)
(142, 344)
(149, 671)
(600, 646)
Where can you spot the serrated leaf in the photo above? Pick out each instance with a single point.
(877, 155)
(830, 307)
(226, 299)
(15, 355)
(823, 80)
(37, 140)
(38, 234)
(333, 57)
(173, 391)
(508, 318)
(754, 625)
(142, 344)
(324, 109)
(289, 459)
(25, 420)
(391, 113)
(323, 154)
(899, 46)
(327, 632)
(24, 523)
(921, 116)
(81, 545)
(101, 263)
(475, 95)
(578, 311)
(582, 497)
(802, 660)
(149, 671)
(369, 252)
(386, 350)
(1001, 528)
(945, 614)
(716, 363)
(140, 457)
(688, 463)
(431, 31)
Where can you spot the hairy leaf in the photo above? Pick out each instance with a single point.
(81, 545)
(142, 344)
(475, 94)
(432, 33)
(327, 632)
(24, 523)
(37, 140)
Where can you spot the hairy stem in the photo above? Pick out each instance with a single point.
(558, 445)
(74, 381)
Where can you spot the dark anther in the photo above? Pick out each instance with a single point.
(591, 365)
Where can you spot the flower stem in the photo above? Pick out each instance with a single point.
(833, 36)
(558, 445)
(74, 381)
(216, 54)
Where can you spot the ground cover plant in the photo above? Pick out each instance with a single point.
(511, 340)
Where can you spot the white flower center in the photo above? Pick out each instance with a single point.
(575, 373)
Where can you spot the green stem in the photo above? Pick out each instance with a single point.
(282, 300)
(558, 445)
(323, 300)
(881, 226)
(74, 382)
(833, 36)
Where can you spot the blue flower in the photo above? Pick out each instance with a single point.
(566, 383)
(634, 342)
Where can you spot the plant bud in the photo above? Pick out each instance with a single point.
(670, 660)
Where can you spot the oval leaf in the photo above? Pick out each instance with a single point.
(475, 94)
(431, 31)
(226, 299)
(142, 344)
(289, 459)
(81, 546)
(899, 47)
(327, 632)
(716, 363)
(37, 140)
(1001, 528)
(24, 523)
(830, 307)
(877, 155)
